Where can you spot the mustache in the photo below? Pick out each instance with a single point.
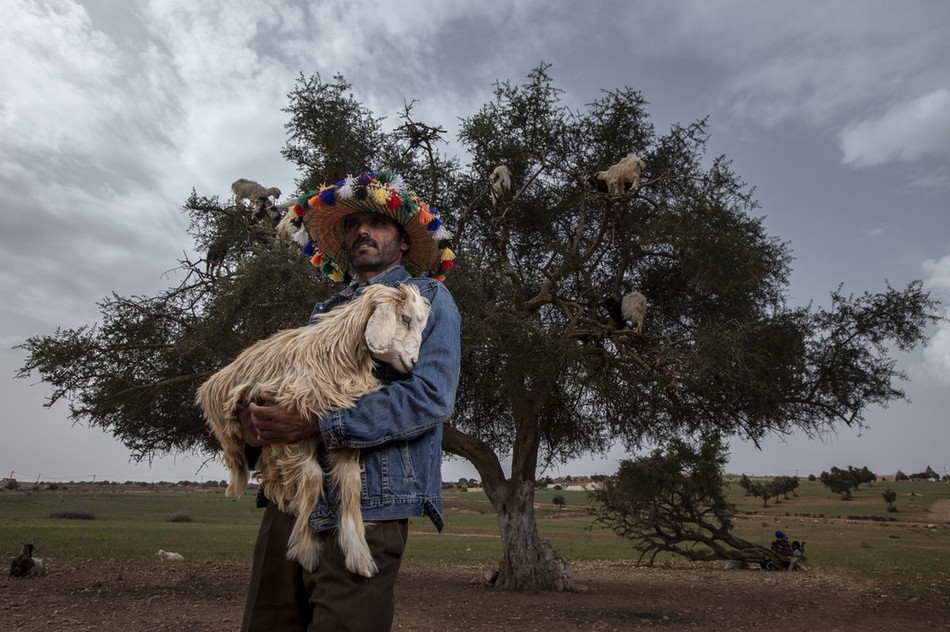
(364, 240)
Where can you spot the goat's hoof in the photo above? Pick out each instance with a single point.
(364, 570)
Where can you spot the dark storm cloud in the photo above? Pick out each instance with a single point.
(837, 112)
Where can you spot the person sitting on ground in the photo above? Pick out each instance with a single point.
(798, 552)
(783, 547)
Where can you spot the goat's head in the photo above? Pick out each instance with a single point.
(598, 181)
(394, 330)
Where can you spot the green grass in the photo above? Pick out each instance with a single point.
(858, 536)
(814, 499)
(129, 524)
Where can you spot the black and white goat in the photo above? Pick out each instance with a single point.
(25, 565)
(258, 199)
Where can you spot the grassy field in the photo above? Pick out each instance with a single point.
(129, 522)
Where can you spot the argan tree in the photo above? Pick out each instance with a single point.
(551, 371)
(673, 501)
(839, 481)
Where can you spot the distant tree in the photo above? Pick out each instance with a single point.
(785, 485)
(889, 497)
(812, 478)
(746, 483)
(927, 475)
(839, 481)
(862, 476)
(761, 490)
(900, 476)
(674, 501)
(559, 502)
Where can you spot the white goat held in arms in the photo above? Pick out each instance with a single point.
(312, 369)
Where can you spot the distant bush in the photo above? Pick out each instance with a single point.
(72, 515)
(872, 518)
(181, 516)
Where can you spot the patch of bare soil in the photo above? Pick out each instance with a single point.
(106, 595)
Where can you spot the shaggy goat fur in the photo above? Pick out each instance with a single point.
(312, 369)
(25, 565)
(258, 200)
(500, 181)
(244, 189)
(217, 251)
(622, 177)
(634, 308)
(170, 556)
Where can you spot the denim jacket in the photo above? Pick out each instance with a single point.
(398, 429)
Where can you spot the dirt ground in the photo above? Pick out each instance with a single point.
(104, 595)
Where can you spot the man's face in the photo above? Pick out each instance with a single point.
(373, 243)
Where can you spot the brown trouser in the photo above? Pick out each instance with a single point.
(284, 597)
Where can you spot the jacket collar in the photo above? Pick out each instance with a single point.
(393, 276)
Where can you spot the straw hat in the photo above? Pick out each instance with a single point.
(383, 192)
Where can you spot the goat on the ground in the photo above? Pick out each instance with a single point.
(25, 565)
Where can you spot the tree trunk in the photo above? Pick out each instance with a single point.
(528, 562)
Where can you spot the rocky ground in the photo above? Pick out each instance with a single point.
(105, 595)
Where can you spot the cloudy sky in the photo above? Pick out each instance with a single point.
(112, 110)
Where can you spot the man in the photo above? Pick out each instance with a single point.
(781, 545)
(371, 228)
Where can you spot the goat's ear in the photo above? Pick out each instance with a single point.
(381, 327)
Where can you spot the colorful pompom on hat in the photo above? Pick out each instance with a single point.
(322, 212)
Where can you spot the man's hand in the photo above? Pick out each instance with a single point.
(264, 422)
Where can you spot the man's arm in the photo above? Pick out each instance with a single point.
(263, 422)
